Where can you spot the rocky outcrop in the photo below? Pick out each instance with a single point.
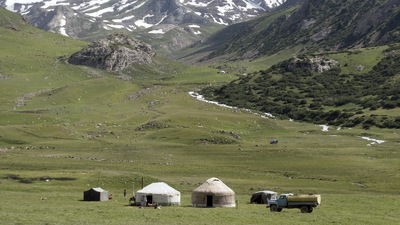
(316, 64)
(3, 77)
(114, 53)
(320, 65)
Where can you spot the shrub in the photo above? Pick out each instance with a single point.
(389, 105)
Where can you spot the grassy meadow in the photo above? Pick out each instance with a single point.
(65, 129)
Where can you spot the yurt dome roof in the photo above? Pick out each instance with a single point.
(215, 186)
(158, 188)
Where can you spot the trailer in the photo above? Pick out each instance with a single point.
(305, 202)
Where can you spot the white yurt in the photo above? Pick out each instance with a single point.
(213, 193)
(160, 193)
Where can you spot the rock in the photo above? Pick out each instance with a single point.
(316, 64)
(320, 65)
(115, 53)
(321, 34)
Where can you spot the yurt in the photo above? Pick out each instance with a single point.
(262, 197)
(213, 193)
(95, 194)
(160, 193)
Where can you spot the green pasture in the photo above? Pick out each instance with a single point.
(183, 142)
(358, 61)
(79, 128)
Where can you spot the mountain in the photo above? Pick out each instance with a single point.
(316, 25)
(167, 25)
(88, 19)
(343, 68)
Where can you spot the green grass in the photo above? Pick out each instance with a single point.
(102, 131)
(358, 61)
(350, 176)
(261, 63)
(53, 209)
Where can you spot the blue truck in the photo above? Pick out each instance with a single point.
(305, 202)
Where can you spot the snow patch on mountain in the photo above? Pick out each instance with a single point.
(10, 4)
(101, 12)
(116, 26)
(123, 19)
(142, 22)
(50, 3)
(252, 5)
(63, 22)
(159, 31)
(194, 3)
(274, 3)
(25, 9)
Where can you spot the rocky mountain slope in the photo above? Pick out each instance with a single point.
(318, 25)
(168, 25)
(83, 19)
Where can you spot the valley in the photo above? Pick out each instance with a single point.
(67, 128)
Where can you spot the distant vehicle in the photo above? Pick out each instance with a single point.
(274, 141)
(306, 203)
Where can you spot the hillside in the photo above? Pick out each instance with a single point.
(326, 76)
(316, 26)
(321, 89)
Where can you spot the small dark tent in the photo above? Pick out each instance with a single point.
(262, 197)
(95, 194)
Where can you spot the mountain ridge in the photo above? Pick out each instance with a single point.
(318, 26)
(167, 25)
(131, 15)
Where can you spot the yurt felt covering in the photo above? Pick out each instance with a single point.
(160, 193)
(213, 193)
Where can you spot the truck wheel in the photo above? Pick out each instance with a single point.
(310, 209)
(273, 208)
(304, 209)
